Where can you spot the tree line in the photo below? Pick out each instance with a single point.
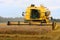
(3, 19)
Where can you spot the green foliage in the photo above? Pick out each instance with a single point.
(57, 20)
(2, 19)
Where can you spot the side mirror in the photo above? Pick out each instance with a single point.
(22, 13)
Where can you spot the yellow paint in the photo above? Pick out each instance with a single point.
(41, 10)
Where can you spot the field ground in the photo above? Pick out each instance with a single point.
(27, 32)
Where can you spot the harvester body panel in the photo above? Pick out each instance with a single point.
(36, 13)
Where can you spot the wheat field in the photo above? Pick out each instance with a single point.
(29, 32)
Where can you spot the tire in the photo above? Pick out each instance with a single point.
(53, 25)
(8, 23)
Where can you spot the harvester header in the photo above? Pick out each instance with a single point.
(39, 15)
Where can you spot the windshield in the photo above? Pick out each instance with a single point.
(34, 14)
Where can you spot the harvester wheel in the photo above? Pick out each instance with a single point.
(8, 23)
(53, 25)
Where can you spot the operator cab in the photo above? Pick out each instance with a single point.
(34, 13)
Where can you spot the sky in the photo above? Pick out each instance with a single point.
(14, 8)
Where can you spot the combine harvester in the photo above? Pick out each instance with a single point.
(36, 16)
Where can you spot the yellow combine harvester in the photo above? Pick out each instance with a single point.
(36, 15)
